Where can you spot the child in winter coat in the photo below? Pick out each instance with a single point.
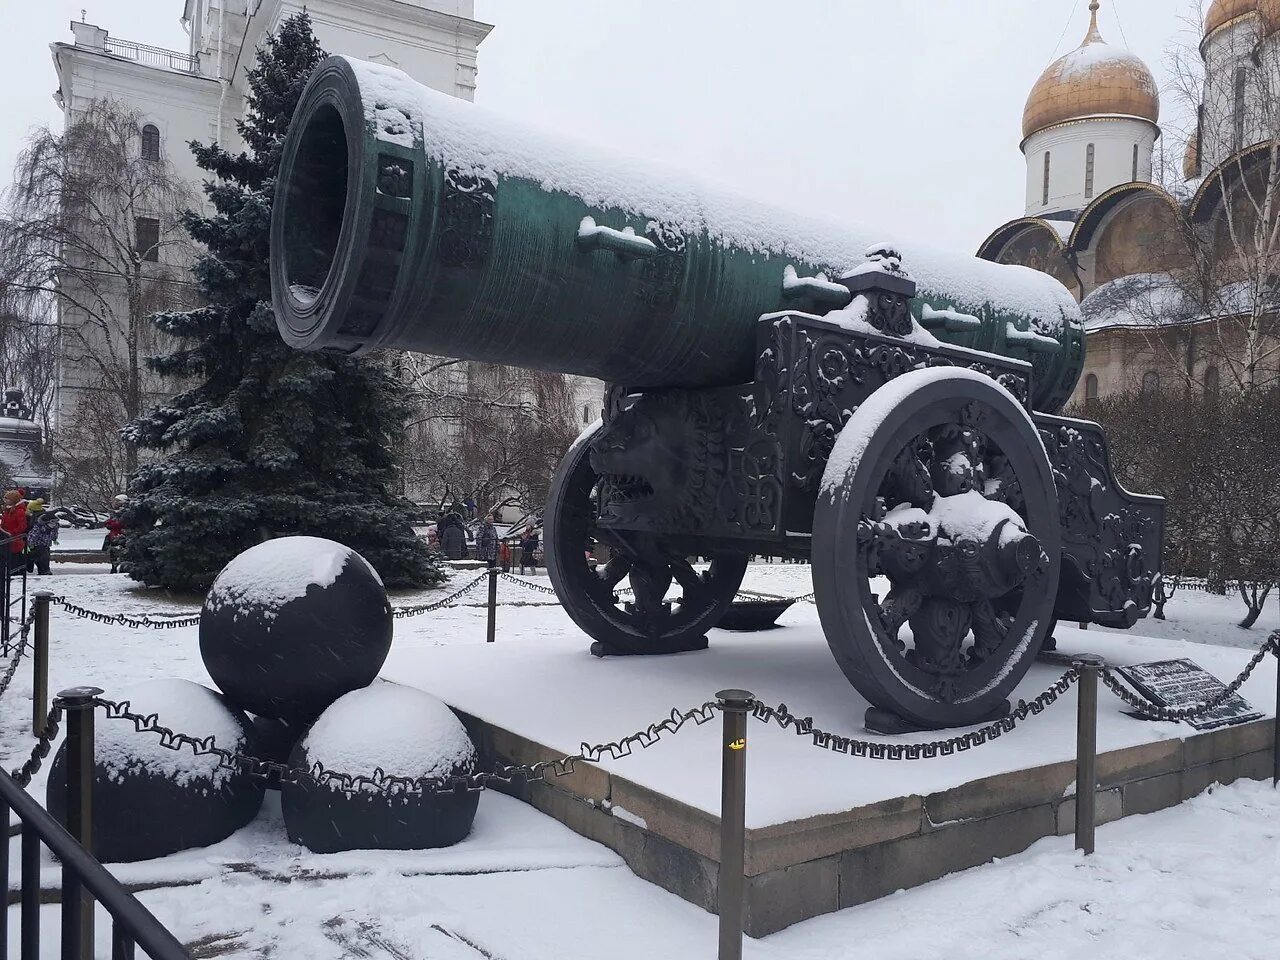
(115, 531)
(42, 534)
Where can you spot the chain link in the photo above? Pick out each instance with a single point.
(153, 621)
(1154, 711)
(413, 611)
(879, 750)
(23, 774)
(381, 782)
(528, 584)
(20, 648)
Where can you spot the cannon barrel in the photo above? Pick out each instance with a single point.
(404, 218)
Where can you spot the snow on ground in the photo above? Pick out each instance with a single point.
(1201, 880)
(1196, 882)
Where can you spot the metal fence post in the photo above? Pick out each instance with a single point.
(735, 705)
(1275, 743)
(493, 601)
(1087, 752)
(77, 906)
(40, 664)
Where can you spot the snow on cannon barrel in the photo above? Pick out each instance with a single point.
(293, 623)
(778, 386)
(406, 218)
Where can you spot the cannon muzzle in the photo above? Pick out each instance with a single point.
(404, 218)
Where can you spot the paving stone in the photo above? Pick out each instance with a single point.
(1108, 806)
(799, 841)
(1152, 794)
(1137, 763)
(780, 898)
(875, 871)
(999, 794)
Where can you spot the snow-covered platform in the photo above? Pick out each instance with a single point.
(825, 830)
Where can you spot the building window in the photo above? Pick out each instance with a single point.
(150, 142)
(1046, 178)
(1090, 388)
(1151, 382)
(1211, 382)
(1088, 171)
(146, 238)
(586, 413)
(1135, 163)
(1242, 86)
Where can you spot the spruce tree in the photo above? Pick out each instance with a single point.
(273, 441)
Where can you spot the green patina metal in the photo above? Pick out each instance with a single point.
(500, 269)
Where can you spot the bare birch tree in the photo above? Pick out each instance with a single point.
(94, 229)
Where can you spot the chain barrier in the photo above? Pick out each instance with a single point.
(20, 647)
(381, 782)
(413, 611)
(529, 584)
(23, 774)
(153, 621)
(1154, 711)
(879, 750)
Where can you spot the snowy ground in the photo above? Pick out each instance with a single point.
(1198, 881)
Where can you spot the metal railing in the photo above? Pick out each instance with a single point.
(152, 56)
(13, 591)
(84, 879)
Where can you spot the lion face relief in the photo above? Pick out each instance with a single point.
(661, 461)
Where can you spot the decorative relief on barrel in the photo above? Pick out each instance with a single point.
(466, 218)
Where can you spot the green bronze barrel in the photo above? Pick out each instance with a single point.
(404, 218)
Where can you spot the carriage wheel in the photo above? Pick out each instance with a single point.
(642, 620)
(936, 547)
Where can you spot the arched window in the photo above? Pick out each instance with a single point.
(1242, 89)
(146, 239)
(586, 413)
(1090, 388)
(1151, 382)
(1046, 178)
(150, 142)
(1088, 171)
(1211, 383)
(1135, 163)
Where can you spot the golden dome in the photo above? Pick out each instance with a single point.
(1093, 80)
(1224, 12)
(1191, 161)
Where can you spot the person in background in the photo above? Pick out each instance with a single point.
(13, 523)
(115, 531)
(470, 504)
(529, 550)
(453, 537)
(504, 555)
(487, 540)
(42, 534)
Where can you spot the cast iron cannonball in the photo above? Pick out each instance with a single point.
(405, 733)
(292, 624)
(150, 801)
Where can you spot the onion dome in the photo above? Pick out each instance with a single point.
(1191, 160)
(1093, 80)
(1223, 13)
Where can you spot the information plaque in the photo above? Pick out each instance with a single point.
(1184, 683)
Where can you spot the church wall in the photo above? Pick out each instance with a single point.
(1140, 236)
(1067, 144)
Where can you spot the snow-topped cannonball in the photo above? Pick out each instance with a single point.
(405, 733)
(151, 801)
(292, 624)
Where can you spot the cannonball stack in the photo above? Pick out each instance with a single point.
(293, 632)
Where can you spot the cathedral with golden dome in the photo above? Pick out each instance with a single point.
(1098, 220)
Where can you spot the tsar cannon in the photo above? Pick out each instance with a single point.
(778, 385)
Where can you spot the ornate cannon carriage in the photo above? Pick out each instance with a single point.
(895, 425)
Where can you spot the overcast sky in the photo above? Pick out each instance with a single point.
(903, 113)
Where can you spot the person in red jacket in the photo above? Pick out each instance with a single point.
(115, 530)
(13, 523)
